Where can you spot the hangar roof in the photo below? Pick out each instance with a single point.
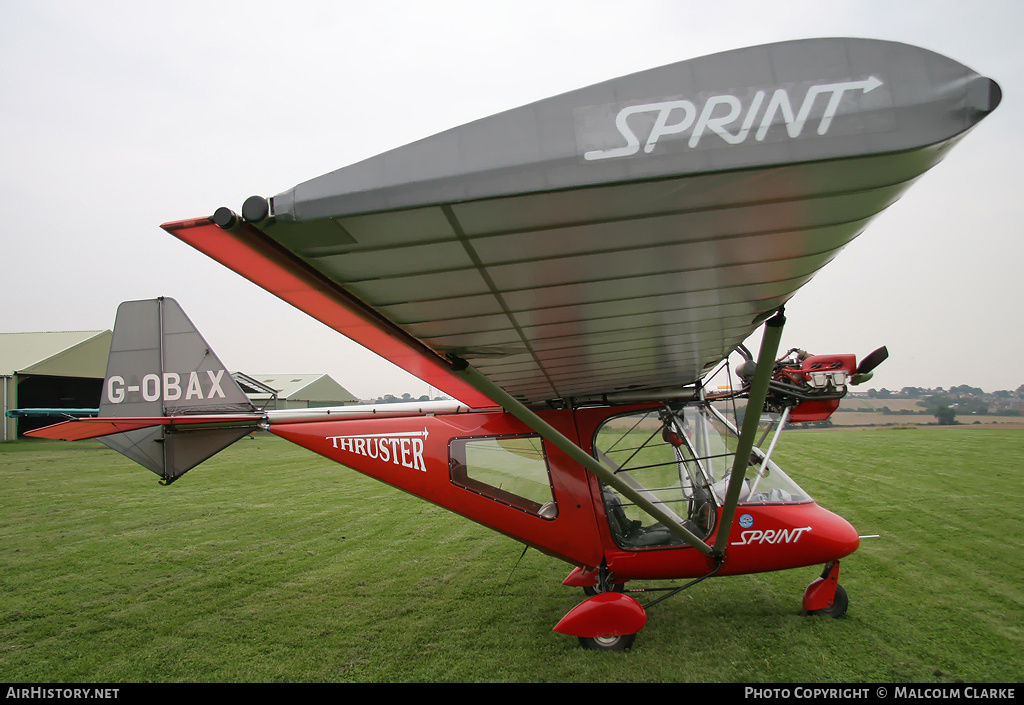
(311, 387)
(56, 353)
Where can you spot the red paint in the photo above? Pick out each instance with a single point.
(581, 578)
(813, 410)
(780, 537)
(248, 252)
(802, 376)
(605, 615)
(775, 537)
(571, 536)
(821, 593)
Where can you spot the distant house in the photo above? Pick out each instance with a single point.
(54, 370)
(294, 391)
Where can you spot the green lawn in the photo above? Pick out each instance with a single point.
(269, 563)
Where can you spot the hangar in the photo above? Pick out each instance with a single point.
(65, 370)
(62, 370)
(294, 391)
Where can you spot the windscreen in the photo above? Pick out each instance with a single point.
(680, 460)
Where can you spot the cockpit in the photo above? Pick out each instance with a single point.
(681, 459)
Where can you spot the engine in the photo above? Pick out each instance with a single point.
(811, 386)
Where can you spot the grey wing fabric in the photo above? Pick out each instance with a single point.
(630, 234)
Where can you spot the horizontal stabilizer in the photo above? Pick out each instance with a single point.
(82, 429)
(56, 412)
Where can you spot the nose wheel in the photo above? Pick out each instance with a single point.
(838, 607)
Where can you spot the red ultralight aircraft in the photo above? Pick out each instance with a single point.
(572, 273)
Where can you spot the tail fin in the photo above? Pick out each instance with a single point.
(167, 387)
(160, 365)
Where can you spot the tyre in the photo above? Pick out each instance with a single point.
(608, 643)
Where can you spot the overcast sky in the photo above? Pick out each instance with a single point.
(120, 116)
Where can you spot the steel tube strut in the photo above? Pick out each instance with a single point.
(557, 439)
(755, 404)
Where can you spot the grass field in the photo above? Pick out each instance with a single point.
(268, 563)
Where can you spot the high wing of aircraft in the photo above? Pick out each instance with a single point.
(624, 235)
(571, 272)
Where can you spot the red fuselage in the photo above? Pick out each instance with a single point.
(418, 454)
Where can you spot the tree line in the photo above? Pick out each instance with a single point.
(960, 400)
(392, 399)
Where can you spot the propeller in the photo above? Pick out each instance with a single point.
(869, 363)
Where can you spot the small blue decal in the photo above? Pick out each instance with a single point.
(746, 521)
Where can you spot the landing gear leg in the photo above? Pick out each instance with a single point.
(825, 596)
(839, 605)
(604, 584)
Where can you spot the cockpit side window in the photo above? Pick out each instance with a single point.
(649, 454)
(512, 470)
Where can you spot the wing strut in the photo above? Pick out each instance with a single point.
(557, 439)
(757, 394)
(755, 403)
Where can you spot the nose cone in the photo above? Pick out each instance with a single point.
(779, 537)
(835, 536)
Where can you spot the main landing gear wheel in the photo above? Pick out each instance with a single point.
(607, 643)
(839, 605)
